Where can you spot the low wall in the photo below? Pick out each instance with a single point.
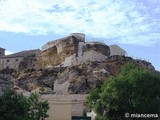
(63, 107)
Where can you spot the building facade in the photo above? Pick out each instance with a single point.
(2, 52)
(13, 60)
(116, 50)
(72, 50)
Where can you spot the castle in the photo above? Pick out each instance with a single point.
(73, 50)
(68, 51)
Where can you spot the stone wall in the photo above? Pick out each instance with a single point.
(2, 52)
(71, 51)
(59, 110)
(62, 107)
(87, 56)
(1, 63)
(116, 50)
(11, 62)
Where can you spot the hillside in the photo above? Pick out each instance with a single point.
(72, 79)
(66, 66)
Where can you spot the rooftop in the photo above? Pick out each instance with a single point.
(2, 48)
(23, 53)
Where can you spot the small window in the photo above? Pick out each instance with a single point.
(16, 60)
(7, 60)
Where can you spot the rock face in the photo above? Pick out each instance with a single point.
(70, 51)
(57, 53)
(69, 66)
(27, 62)
(77, 79)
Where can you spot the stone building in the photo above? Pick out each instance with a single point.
(72, 50)
(2, 53)
(116, 50)
(2, 50)
(13, 60)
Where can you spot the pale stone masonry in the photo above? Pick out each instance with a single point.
(116, 50)
(13, 60)
(63, 107)
(68, 51)
(2, 50)
(74, 50)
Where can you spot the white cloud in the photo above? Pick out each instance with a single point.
(124, 20)
(8, 52)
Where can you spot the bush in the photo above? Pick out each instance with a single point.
(135, 90)
(14, 106)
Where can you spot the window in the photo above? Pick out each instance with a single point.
(7, 60)
(16, 60)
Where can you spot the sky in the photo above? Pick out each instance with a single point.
(134, 25)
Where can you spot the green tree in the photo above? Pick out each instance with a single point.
(14, 106)
(135, 90)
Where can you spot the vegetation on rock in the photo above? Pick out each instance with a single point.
(135, 90)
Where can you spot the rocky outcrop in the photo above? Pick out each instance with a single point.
(70, 51)
(60, 50)
(27, 62)
(69, 66)
(79, 79)
(145, 64)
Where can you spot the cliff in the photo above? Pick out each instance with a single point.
(70, 51)
(77, 79)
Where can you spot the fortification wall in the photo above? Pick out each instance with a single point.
(12, 62)
(72, 52)
(2, 52)
(87, 56)
(116, 50)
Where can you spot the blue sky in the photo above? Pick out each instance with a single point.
(132, 24)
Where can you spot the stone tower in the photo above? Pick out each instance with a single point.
(2, 52)
(79, 36)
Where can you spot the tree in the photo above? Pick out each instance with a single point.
(135, 90)
(14, 106)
